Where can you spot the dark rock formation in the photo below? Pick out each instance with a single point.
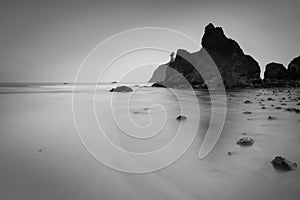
(275, 71)
(236, 68)
(294, 68)
(272, 118)
(276, 75)
(296, 110)
(283, 164)
(159, 84)
(121, 89)
(246, 141)
(180, 117)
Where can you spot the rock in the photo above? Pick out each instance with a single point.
(247, 102)
(159, 74)
(270, 99)
(278, 108)
(283, 164)
(121, 89)
(272, 118)
(159, 84)
(296, 110)
(294, 68)
(230, 153)
(263, 107)
(113, 82)
(275, 71)
(283, 104)
(246, 141)
(276, 75)
(247, 112)
(298, 104)
(181, 117)
(236, 68)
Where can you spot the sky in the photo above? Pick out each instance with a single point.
(48, 40)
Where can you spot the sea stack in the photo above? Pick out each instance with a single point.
(237, 69)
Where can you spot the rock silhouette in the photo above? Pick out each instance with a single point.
(121, 89)
(236, 68)
(294, 68)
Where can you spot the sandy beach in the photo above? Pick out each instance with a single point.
(42, 157)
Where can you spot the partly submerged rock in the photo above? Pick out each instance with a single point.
(159, 84)
(121, 89)
(281, 163)
(296, 110)
(181, 117)
(247, 101)
(272, 118)
(246, 141)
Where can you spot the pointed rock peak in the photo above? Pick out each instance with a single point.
(209, 27)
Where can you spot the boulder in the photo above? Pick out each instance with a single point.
(159, 84)
(121, 89)
(181, 117)
(246, 141)
(282, 164)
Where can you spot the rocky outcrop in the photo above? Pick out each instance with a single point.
(121, 89)
(294, 69)
(275, 71)
(159, 74)
(276, 75)
(235, 68)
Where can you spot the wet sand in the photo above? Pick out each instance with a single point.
(42, 157)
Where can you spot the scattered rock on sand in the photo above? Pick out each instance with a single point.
(272, 118)
(247, 113)
(283, 164)
(121, 89)
(181, 117)
(246, 141)
(296, 110)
